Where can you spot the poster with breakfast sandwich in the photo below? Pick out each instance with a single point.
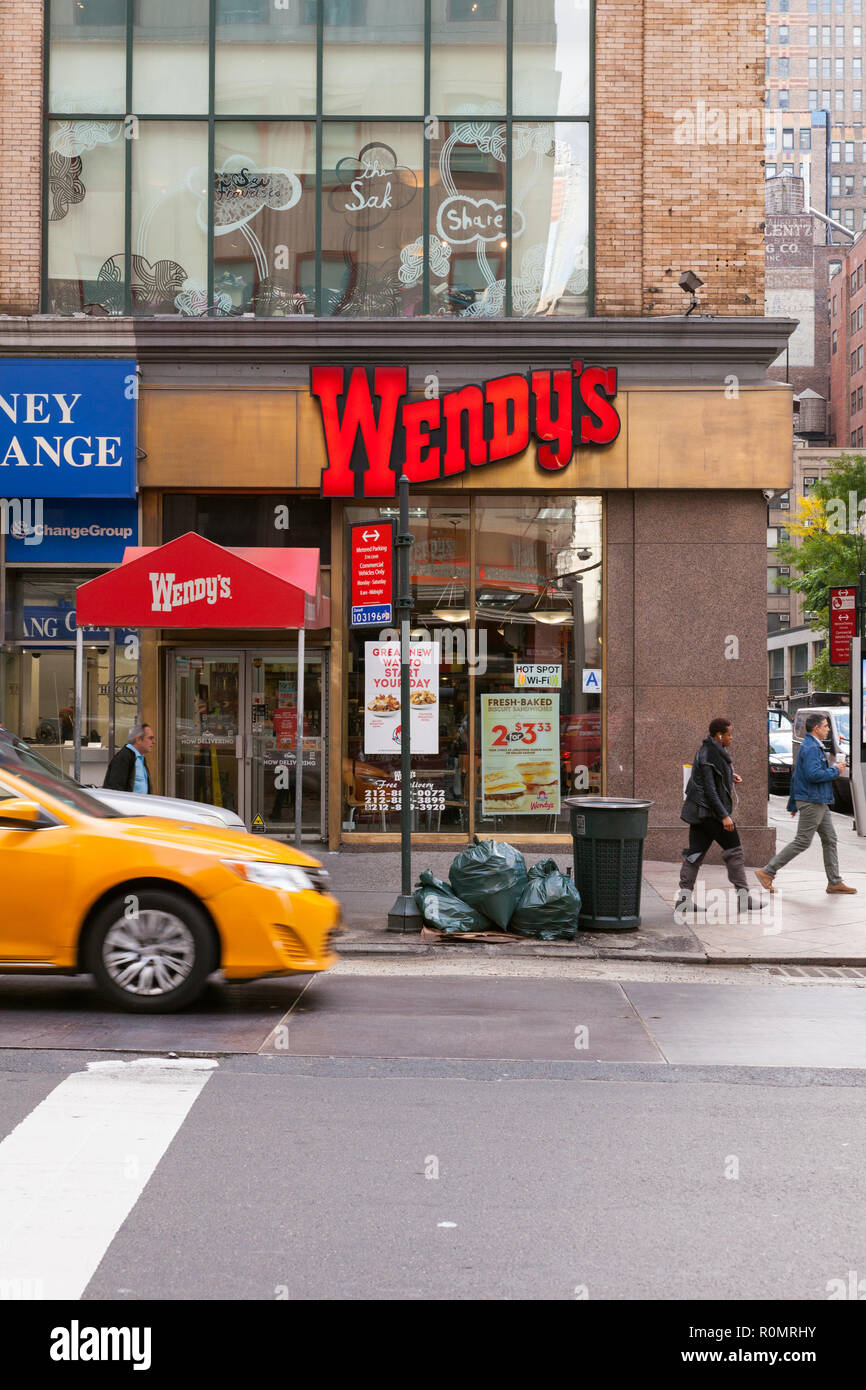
(382, 712)
(520, 754)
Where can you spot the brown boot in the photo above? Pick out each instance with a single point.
(840, 888)
(765, 880)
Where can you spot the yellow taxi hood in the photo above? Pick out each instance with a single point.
(225, 843)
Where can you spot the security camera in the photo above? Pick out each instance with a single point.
(768, 494)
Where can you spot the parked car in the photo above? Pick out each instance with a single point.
(837, 744)
(150, 908)
(16, 752)
(780, 761)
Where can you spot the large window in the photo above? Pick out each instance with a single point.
(329, 157)
(510, 590)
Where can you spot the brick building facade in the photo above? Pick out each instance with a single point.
(656, 160)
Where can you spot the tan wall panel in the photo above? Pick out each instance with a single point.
(690, 438)
(700, 439)
(311, 442)
(218, 438)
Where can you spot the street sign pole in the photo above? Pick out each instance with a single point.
(404, 915)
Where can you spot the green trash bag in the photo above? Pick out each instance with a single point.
(491, 877)
(442, 909)
(549, 906)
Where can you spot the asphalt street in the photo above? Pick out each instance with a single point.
(599, 1133)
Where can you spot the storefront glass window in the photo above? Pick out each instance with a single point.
(469, 218)
(468, 58)
(250, 519)
(373, 63)
(265, 59)
(479, 111)
(509, 589)
(86, 263)
(38, 679)
(88, 55)
(264, 217)
(169, 219)
(551, 57)
(170, 55)
(372, 218)
(550, 218)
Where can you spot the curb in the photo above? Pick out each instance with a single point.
(374, 950)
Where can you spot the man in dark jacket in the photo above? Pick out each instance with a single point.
(811, 798)
(707, 812)
(128, 770)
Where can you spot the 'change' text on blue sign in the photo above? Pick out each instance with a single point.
(67, 428)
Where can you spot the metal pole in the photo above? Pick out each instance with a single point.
(299, 741)
(855, 747)
(112, 680)
(404, 915)
(79, 697)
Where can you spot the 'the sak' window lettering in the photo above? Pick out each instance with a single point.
(373, 432)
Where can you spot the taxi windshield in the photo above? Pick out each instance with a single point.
(32, 771)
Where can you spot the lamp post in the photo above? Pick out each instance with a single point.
(404, 915)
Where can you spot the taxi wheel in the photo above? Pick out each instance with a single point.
(151, 952)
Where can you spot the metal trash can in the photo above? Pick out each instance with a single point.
(607, 834)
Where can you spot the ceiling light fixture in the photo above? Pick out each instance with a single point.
(447, 609)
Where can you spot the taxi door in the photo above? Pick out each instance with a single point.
(36, 889)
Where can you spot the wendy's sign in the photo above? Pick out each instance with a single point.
(373, 431)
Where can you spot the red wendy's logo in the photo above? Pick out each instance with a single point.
(373, 432)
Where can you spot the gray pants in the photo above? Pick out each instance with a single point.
(814, 815)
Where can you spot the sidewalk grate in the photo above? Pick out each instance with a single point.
(819, 972)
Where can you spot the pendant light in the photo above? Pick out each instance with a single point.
(558, 608)
(447, 609)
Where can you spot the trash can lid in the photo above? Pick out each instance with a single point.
(608, 803)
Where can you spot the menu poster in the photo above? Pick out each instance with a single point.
(520, 764)
(382, 713)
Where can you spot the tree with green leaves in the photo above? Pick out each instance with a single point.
(827, 550)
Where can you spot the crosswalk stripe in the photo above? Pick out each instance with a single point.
(72, 1171)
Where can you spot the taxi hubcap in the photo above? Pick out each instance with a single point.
(151, 953)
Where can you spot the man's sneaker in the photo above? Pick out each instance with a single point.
(840, 888)
(765, 880)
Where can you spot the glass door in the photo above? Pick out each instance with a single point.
(205, 722)
(271, 738)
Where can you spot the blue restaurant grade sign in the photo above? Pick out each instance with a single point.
(67, 427)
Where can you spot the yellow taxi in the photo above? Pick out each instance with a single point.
(150, 907)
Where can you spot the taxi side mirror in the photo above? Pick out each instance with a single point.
(18, 814)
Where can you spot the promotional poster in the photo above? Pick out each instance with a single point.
(520, 754)
(382, 713)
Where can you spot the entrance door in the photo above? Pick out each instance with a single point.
(273, 729)
(205, 717)
(233, 719)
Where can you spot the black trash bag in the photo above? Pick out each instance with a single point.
(549, 906)
(442, 909)
(491, 877)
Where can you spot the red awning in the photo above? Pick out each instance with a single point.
(193, 583)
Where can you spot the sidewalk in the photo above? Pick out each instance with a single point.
(799, 923)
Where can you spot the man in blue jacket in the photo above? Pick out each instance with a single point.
(811, 796)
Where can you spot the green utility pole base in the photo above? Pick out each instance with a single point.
(404, 915)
